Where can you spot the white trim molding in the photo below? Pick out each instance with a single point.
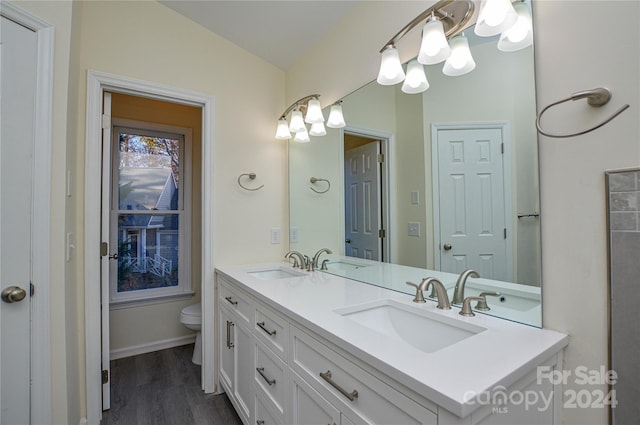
(97, 84)
(41, 220)
(134, 350)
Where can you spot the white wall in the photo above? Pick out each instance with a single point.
(579, 45)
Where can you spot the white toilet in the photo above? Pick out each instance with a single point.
(191, 318)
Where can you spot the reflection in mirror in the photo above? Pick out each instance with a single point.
(433, 183)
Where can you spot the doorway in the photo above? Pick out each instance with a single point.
(366, 182)
(97, 84)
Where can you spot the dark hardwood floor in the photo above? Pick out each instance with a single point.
(163, 388)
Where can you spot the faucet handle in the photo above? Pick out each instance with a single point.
(482, 305)
(324, 264)
(466, 305)
(419, 298)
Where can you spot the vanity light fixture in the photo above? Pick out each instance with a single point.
(446, 20)
(307, 111)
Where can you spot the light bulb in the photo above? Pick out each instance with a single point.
(460, 62)
(297, 123)
(317, 129)
(314, 112)
(520, 35)
(282, 132)
(391, 71)
(336, 119)
(434, 47)
(416, 80)
(302, 136)
(495, 16)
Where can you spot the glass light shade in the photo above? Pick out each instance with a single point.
(520, 35)
(282, 132)
(317, 129)
(391, 71)
(416, 80)
(460, 62)
(297, 123)
(302, 137)
(434, 48)
(336, 119)
(314, 112)
(495, 17)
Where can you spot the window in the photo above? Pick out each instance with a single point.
(150, 212)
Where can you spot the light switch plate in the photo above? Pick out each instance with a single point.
(293, 235)
(414, 229)
(275, 235)
(415, 198)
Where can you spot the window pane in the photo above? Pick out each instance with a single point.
(147, 251)
(148, 172)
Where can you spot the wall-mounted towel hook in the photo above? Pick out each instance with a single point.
(251, 176)
(595, 97)
(314, 180)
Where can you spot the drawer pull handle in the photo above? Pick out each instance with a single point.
(327, 377)
(267, 380)
(261, 325)
(229, 343)
(231, 301)
(259, 422)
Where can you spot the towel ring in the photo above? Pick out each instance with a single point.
(595, 97)
(251, 176)
(314, 180)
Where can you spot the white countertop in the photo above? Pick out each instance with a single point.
(498, 356)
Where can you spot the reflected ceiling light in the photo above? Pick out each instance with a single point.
(336, 119)
(416, 80)
(446, 20)
(460, 62)
(391, 71)
(310, 107)
(434, 47)
(317, 129)
(302, 136)
(520, 35)
(495, 16)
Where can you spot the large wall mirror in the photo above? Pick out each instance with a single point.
(448, 181)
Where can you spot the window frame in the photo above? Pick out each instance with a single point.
(171, 293)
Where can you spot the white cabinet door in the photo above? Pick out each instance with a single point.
(227, 364)
(309, 407)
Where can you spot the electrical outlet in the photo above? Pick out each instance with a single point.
(414, 229)
(275, 235)
(415, 198)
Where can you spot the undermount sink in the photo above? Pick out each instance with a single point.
(425, 330)
(274, 273)
(344, 265)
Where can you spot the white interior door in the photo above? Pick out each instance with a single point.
(109, 255)
(362, 202)
(471, 188)
(18, 81)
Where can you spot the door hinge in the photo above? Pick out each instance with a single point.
(104, 249)
(380, 158)
(502, 148)
(382, 233)
(32, 289)
(105, 376)
(505, 233)
(106, 121)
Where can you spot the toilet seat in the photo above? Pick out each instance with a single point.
(191, 315)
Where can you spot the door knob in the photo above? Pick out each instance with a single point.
(347, 241)
(447, 247)
(13, 294)
(114, 256)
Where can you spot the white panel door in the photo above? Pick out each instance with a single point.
(472, 202)
(362, 202)
(18, 82)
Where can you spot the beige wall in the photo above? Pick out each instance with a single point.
(598, 49)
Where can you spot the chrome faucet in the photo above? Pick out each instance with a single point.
(458, 292)
(297, 262)
(316, 257)
(441, 292)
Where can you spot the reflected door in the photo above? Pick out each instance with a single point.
(471, 189)
(18, 81)
(362, 202)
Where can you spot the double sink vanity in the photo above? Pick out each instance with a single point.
(302, 347)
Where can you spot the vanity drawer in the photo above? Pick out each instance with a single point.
(351, 388)
(272, 329)
(264, 415)
(270, 376)
(239, 304)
